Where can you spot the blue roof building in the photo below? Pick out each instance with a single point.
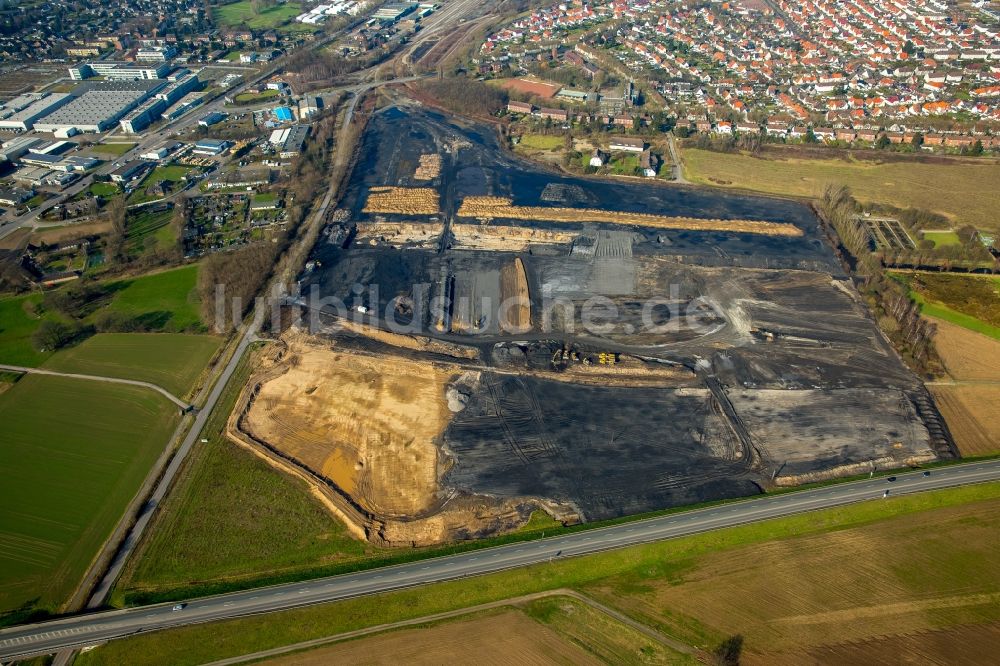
(284, 113)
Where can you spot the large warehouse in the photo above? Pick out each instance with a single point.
(99, 105)
(20, 113)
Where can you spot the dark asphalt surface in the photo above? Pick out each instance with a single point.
(92, 628)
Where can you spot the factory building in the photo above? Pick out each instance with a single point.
(99, 105)
(119, 71)
(20, 113)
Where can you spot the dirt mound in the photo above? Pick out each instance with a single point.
(515, 315)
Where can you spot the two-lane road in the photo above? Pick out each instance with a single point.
(94, 628)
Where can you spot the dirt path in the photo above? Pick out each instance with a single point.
(100, 378)
(672, 643)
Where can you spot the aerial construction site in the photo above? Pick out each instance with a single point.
(479, 339)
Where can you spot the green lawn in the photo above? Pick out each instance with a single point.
(263, 96)
(972, 302)
(174, 173)
(941, 311)
(16, 327)
(147, 229)
(171, 360)
(232, 516)
(169, 296)
(165, 301)
(541, 142)
(116, 149)
(963, 191)
(238, 13)
(624, 165)
(106, 190)
(942, 238)
(960, 567)
(73, 454)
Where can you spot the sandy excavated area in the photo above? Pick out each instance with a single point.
(372, 426)
(366, 424)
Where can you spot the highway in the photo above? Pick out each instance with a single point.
(93, 628)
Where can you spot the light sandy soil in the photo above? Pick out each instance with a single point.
(371, 426)
(514, 298)
(507, 638)
(367, 424)
(969, 407)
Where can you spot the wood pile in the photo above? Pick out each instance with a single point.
(430, 167)
(486, 208)
(402, 200)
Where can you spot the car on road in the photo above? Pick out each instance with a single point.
(926, 473)
(179, 607)
(891, 479)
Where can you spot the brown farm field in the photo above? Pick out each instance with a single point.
(965, 192)
(531, 87)
(507, 637)
(865, 583)
(969, 404)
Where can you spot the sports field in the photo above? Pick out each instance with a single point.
(171, 360)
(964, 192)
(72, 455)
(800, 585)
(238, 13)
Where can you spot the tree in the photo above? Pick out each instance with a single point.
(728, 651)
(917, 140)
(52, 335)
(114, 244)
(883, 142)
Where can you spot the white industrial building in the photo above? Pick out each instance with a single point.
(13, 149)
(98, 106)
(20, 113)
(155, 54)
(119, 71)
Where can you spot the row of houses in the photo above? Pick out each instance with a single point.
(847, 134)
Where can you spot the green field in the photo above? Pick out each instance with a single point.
(16, 327)
(942, 238)
(174, 173)
(116, 149)
(149, 230)
(972, 302)
(250, 98)
(74, 453)
(106, 190)
(171, 360)
(232, 516)
(965, 192)
(238, 13)
(932, 549)
(165, 301)
(541, 142)
(169, 297)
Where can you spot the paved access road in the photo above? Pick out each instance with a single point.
(94, 628)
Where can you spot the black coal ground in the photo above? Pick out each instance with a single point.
(804, 380)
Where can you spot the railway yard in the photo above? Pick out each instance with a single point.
(495, 339)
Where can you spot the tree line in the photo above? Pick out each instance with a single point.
(898, 315)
